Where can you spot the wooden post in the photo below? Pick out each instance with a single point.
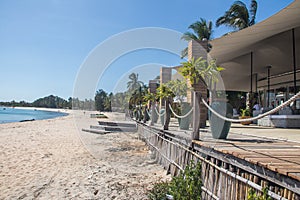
(251, 72)
(152, 89)
(294, 62)
(196, 117)
(168, 114)
(152, 112)
(145, 114)
(200, 111)
(268, 92)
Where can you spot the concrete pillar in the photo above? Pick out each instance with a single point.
(198, 49)
(152, 89)
(165, 76)
(152, 86)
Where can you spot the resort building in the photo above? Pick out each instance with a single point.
(263, 58)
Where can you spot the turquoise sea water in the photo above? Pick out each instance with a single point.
(8, 115)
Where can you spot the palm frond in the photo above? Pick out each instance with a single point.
(238, 15)
(253, 10)
(184, 52)
(224, 20)
(189, 36)
(202, 28)
(239, 3)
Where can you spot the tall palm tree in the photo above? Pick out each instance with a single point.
(238, 16)
(134, 83)
(202, 30)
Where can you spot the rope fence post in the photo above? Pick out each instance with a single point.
(196, 116)
(152, 112)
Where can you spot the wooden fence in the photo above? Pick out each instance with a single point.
(221, 180)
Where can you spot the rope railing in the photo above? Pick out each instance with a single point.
(292, 99)
(159, 113)
(149, 114)
(178, 116)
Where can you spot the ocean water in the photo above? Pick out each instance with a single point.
(8, 115)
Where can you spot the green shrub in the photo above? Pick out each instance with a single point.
(252, 195)
(186, 186)
(159, 191)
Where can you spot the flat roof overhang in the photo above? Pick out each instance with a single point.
(271, 43)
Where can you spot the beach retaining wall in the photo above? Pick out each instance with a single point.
(224, 176)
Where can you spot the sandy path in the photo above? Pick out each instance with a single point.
(47, 160)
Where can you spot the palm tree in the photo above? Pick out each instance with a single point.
(136, 98)
(134, 83)
(196, 72)
(202, 31)
(238, 16)
(165, 93)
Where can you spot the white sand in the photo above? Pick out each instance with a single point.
(47, 160)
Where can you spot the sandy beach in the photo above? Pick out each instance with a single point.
(52, 159)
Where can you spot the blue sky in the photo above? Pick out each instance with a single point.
(43, 43)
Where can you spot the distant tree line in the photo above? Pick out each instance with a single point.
(102, 101)
(16, 104)
(50, 101)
